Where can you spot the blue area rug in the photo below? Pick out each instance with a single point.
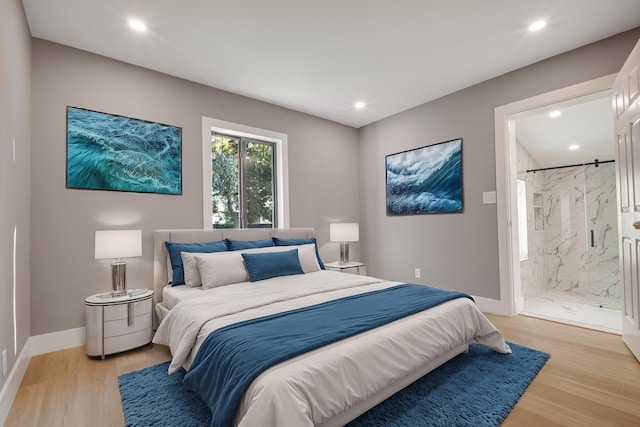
(478, 389)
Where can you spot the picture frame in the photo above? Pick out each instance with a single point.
(118, 153)
(425, 180)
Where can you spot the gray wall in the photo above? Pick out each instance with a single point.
(15, 96)
(64, 270)
(460, 251)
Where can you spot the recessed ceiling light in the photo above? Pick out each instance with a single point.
(137, 25)
(538, 25)
(574, 147)
(360, 105)
(555, 113)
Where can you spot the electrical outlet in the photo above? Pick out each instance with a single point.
(417, 273)
(4, 363)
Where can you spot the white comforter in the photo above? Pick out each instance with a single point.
(316, 387)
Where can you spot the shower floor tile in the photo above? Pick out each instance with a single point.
(560, 306)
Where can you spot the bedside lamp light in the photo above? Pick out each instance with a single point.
(118, 244)
(344, 233)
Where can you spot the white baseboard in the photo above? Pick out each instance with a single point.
(34, 346)
(519, 305)
(488, 305)
(46, 343)
(12, 385)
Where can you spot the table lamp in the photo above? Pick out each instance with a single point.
(344, 233)
(118, 244)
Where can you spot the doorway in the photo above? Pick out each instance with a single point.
(567, 216)
(574, 238)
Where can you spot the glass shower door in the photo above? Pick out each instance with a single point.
(602, 268)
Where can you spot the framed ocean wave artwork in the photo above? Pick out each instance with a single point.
(426, 180)
(117, 153)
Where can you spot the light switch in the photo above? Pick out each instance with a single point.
(489, 197)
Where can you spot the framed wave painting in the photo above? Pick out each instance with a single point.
(117, 153)
(425, 180)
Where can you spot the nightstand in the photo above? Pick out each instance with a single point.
(116, 324)
(353, 267)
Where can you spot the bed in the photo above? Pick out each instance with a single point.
(329, 385)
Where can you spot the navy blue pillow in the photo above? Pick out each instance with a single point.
(237, 245)
(175, 248)
(262, 266)
(279, 241)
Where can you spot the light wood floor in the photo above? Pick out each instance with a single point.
(67, 389)
(591, 379)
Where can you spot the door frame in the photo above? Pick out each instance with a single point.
(511, 301)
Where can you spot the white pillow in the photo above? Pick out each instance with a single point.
(221, 268)
(306, 255)
(191, 272)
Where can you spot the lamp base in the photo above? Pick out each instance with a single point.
(118, 294)
(344, 253)
(118, 276)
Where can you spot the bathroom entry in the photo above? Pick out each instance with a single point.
(569, 263)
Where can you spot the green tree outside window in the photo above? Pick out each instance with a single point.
(242, 182)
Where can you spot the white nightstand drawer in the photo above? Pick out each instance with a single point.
(355, 270)
(116, 312)
(127, 342)
(350, 267)
(115, 328)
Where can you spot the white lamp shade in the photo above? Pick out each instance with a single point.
(344, 232)
(118, 244)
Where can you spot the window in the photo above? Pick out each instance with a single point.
(522, 220)
(242, 182)
(244, 176)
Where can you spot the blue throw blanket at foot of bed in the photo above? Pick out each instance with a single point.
(233, 356)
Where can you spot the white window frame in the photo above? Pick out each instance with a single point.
(523, 235)
(210, 125)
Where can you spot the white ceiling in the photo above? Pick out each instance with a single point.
(319, 57)
(586, 121)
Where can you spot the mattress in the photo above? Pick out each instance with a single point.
(172, 295)
(320, 386)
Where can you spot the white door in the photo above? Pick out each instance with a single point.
(626, 105)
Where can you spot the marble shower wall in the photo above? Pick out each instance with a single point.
(532, 281)
(565, 248)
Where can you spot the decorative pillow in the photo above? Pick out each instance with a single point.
(306, 255)
(237, 245)
(175, 249)
(191, 273)
(220, 269)
(262, 266)
(279, 241)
